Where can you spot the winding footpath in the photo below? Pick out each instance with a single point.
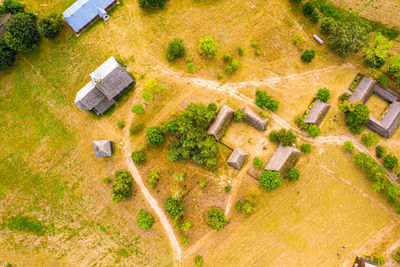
(231, 89)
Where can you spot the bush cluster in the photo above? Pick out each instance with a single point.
(307, 55)
(174, 207)
(380, 151)
(357, 115)
(285, 137)
(245, 206)
(239, 115)
(216, 218)
(263, 100)
(270, 180)
(313, 130)
(208, 46)
(370, 139)
(122, 186)
(175, 49)
(145, 220)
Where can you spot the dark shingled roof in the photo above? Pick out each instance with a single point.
(103, 148)
(108, 82)
(317, 113)
(253, 119)
(389, 122)
(283, 160)
(221, 122)
(237, 158)
(363, 90)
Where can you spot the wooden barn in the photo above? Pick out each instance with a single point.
(253, 119)
(237, 158)
(283, 159)
(221, 122)
(317, 113)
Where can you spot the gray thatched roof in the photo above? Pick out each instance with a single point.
(385, 93)
(317, 113)
(111, 78)
(283, 160)
(221, 122)
(363, 90)
(389, 123)
(103, 148)
(88, 97)
(253, 119)
(108, 82)
(237, 158)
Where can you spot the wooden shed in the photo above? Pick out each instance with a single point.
(237, 158)
(253, 119)
(221, 122)
(103, 148)
(363, 90)
(317, 113)
(283, 159)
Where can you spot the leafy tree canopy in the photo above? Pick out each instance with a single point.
(155, 135)
(377, 52)
(208, 46)
(175, 49)
(324, 94)
(7, 55)
(50, 25)
(145, 220)
(216, 218)
(270, 180)
(174, 207)
(21, 32)
(152, 4)
(122, 187)
(357, 115)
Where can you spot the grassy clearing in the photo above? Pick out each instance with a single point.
(311, 234)
(378, 106)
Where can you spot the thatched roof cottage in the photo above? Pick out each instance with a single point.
(237, 158)
(103, 148)
(317, 113)
(253, 119)
(283, 160)
(108, 82)
(363, 90)
(389, 123)
(221, 122)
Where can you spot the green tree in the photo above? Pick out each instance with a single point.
(293, 174)
(286, 137)
(155, 135)
(239, 115)
(393, 68)
(227, 188)
(308, 8)
(270, 180)
(208, 46)
(244, 206)
(153, 176)
(145, 220)
(378, 51)
(12, 6)
(273, 137)
(175, 49)
(122, 186)
(370, 139)
(327, 25)
(216, 218)
(323, 94)
(135, 128)
(258, 163)
(315, 16)
(306, 148)
(203, 183)
(227, 57)
(232, 67)
(198, 261)
(7, 55)
(174, 207)
(21, 33)
(147, 96)
(50, 25)
(390, 161)
(308, 55)
(357, 115)
(380, 151)
(185, 226)
(298, 39)
(152, 4)
(348, 146)
(313, 130)
(265, 100)
(138, 109)
(138, 157)
(396, 257)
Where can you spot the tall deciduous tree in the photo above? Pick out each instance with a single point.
(378, 51)
(21, 32)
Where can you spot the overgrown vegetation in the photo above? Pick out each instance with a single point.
(145, 220)
(152, 4)
(283, 136)
(190, 128)
(175, 49)
(370, 139)
(216, 218)
(357, 115)
(25, 224)
(208, 47)
(263, 100)
(153, 176)
(122, 186)
(270, 180)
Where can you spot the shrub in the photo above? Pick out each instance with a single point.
(264, 114)
(120, 124)
(227, 57)
(152, 4)
(175, 49)
(313, 130)
(286, 138)
(50, 25)
(185, 226)
(7, 55)
(373, 170)
(227, 188)
(106, 180)
(379, 259)
(378, 51)
(348, 146)
(203, 183)
(190, 66)
(138, 109)
(323, 94)
(184, 240)
(298, 39)
(344, 97)
(308, 55)
(327, 25)
(254, 44)
(21, 33)
(273, 137)
(231, 68)
(208, 46)
(257, 52)
(135, 128)
(145, 220)
(315, 16)
(308, 8)
(270, 180)
(198, 261)
(265, 100)
(147, 96)
(153, 176)
(239, 115)
(370, 139)
(293, 174)
(138, 157)
(357, 115)
(380, 151)
(396, 257)
(122, 187)
(390, 161)
(306, 148)
(258, 163)
(273, 105)
(180, 177)
(240, 50)
(177, 192)
(12, 6)
(155, 135)
(244, 206)
(216, 218)
(174, 207)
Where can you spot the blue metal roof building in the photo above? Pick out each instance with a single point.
(83, 12)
